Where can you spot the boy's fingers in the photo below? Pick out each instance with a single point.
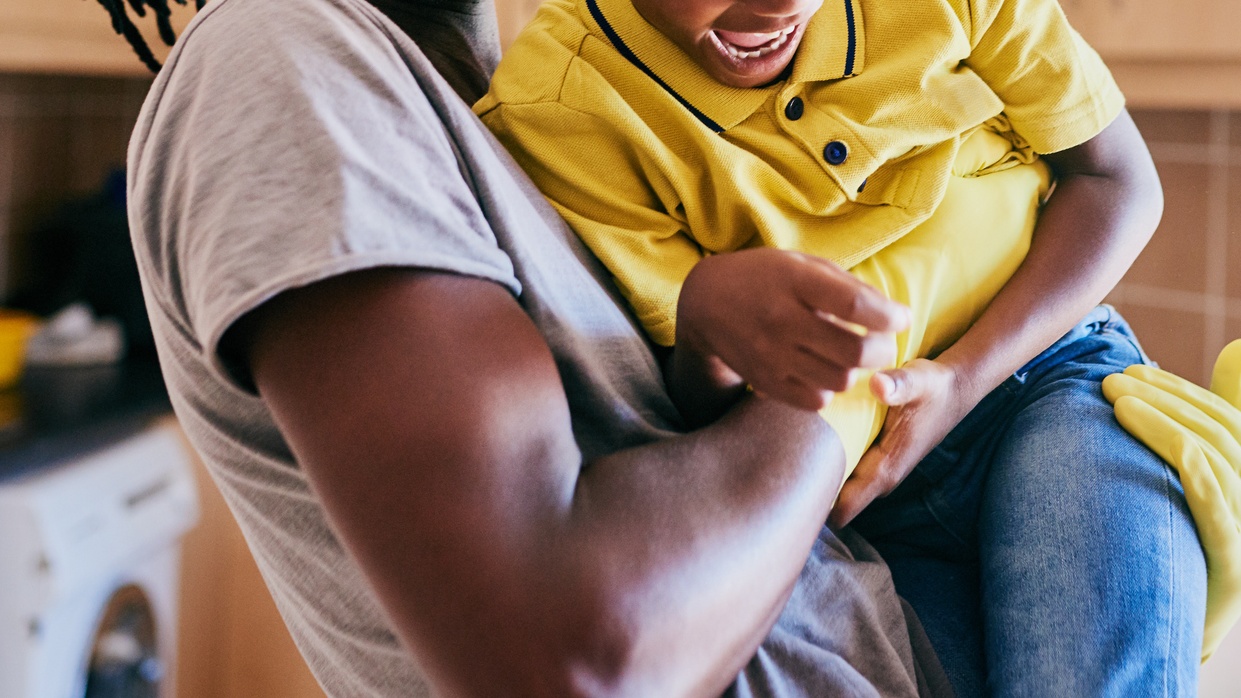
(840, 347)
(793, 392)
(883, 387)
(827, 288)
(817, 373)
(876, 475)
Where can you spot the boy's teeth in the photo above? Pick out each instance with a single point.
(770, 43)
(739, 52)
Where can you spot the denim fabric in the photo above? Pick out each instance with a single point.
(1046, 551)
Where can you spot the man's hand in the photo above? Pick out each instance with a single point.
(926, 399)
(793, 326)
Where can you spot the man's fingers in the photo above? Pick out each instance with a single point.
(827, 288)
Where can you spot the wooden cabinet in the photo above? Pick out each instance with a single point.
(232, 641)
(1150, 29)
(1167, 54)
(1164, 54)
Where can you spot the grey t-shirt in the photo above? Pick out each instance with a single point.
(289, 141)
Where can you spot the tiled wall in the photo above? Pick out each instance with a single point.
(1183, 295)
(59, 137)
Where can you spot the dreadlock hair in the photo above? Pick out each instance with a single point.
(123, 25)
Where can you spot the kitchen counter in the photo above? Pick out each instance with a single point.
(59, 413)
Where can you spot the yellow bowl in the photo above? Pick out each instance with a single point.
(16, 329)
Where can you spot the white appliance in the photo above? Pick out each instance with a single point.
(89, 568)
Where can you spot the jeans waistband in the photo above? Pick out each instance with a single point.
(1102, 318)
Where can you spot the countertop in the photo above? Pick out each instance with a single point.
(56, 414)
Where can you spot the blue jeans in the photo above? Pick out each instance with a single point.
(1046, 551)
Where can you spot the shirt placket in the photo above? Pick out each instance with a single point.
(835, 147)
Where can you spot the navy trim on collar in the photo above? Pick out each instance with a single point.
(630, 56)
(852, 37)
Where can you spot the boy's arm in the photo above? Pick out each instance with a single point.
(1106, 205)
(441, 447)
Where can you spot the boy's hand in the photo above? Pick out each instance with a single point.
(926, 400)
(780, 320)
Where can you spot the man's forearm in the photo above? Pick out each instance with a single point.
(701, 386)
(716, 526)
(447, 464)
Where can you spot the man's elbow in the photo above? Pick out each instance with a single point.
(584, 654)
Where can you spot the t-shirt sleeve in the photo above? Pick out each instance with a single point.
(271, 157)
(1056, 90)
(614, 195)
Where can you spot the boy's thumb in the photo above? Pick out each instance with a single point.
(892, 386)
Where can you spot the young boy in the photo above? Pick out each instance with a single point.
(887, 147)
(743, 142)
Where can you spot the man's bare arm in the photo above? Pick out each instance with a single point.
(429, 416)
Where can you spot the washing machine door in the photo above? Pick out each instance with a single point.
(124, 661)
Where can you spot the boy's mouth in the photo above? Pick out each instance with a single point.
(749, 59)
(747, 45)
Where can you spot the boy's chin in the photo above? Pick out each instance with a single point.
(749, 80)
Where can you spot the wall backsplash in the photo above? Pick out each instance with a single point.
(1183, 295)
(59, 137)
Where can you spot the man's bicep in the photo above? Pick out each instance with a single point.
(428, 414)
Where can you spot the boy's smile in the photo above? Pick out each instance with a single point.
(742, 43)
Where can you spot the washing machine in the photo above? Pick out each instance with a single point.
(89, 555)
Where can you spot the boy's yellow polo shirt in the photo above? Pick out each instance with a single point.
(636, 146)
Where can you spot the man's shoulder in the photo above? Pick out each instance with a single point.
(280, 147)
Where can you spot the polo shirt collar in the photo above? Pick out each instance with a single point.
(834, 32)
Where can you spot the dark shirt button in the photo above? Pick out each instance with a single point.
(836, 153)
(794, 109)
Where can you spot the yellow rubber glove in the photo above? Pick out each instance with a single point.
(1198, 432)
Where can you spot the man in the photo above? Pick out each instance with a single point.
(446, 442)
